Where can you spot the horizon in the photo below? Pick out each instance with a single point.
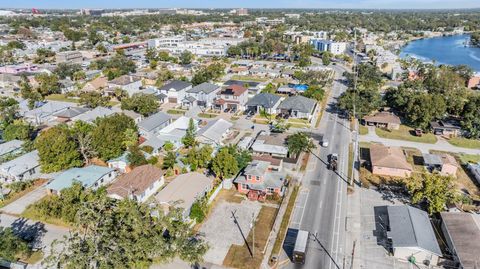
(252, 4)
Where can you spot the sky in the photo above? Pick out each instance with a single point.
(376, 4)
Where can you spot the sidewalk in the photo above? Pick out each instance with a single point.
(441, 144)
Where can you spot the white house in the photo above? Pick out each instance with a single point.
(175, 91)
(25, 167)
(201, 95)
(92, 176)
(128, 83)
(139, 184)
(153, 124)
(214, 132)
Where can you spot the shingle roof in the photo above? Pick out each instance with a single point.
(154, 121)
(391, 157)
(251, 84)
(463, 229)
(214, 130)
(87, 176)
(383, 117)
(266, 100)
(93, 114)
(125, 80)
(21, 164)
(235, 90)
(298, 103)
(204, 87)
(257, 168)
(137, 181)
(411, 227)
(71, 112)
(176, 84)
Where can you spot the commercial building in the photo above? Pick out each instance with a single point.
(333, 47)
(203, 47)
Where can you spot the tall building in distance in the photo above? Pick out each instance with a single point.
(239, 12)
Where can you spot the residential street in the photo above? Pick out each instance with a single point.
(323, 207)
(441, 145)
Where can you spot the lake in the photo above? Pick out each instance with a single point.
(444, 50)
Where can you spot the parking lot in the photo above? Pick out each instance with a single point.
(225, 226)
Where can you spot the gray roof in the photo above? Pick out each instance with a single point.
(21, 164)
(266, 100)
(178, 85)
(71, 112)
(93, 114)
(190, 99)
(256, 168)
(215, 129)
(154, 121)
(10, 146)
(298, 103)
(432, 159)
(205, 88)
(411, 228)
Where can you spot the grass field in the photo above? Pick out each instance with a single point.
(31, 213)
(207, 115)
(61, 97)
(249, 78)
(404, 133)
(465, 142)
(239, 256)
(362, 130)
(176, 111)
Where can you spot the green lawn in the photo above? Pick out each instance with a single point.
(61, 97)
(469, 158)
(249, 78)
(207, 115)
(404, 133)
(465, 142)
(176, 111)
(362, 130)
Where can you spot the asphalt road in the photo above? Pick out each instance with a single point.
(324, 191)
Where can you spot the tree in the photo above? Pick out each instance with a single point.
(8, 111)
(233, 51)
(270, 88)
(243, 157)
(197, 211)
(64, 70)
(135, 156)
(212, 72)
(12, 246)
(365, 101)
(326, 58)
(163, 75)
(168, 146)
(93, 99)
(186, 57)
(199, 158)
(471, 117)
(18, 130)
(299, 142)
(315, 93)
(423, 108)
(224, 164)
(145, 104)
(82, 133)
(48, 84)
(126, 234)
(434, 189)
(57, 149)
(110, 134)
(170, 160)
(189, 139)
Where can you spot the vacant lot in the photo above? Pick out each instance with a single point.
(465, 142)
(406, 133)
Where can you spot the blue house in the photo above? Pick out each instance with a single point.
(92, 176)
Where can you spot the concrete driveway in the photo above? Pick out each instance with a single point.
(19, 205)
(221, 231)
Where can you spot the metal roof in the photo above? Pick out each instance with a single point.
(411, 228)
(87, 176)
(214, 130)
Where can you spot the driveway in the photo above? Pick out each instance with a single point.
(441, 145)
(221, 231)
(19, 205)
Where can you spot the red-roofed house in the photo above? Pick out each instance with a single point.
(233, 97)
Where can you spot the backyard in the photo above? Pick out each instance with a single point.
(406, 133)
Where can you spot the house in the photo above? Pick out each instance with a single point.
(445, 164)
(141, 183)
(184, 191)
(91, 115)
(389, 161)
(273, 145)
(474, 82)
(252, 86)
(446, 128)
(24, 167)
(96, 84)
(122, 164)
(70, 113)
(286, 89)
(267, 101)
(201, 95)
(383, 119)
(176, 131)
(232, 97)
(91, 74)
(214, 132)
(92, 176)
(148, 78)
(153, 124)
(66, 86)
(462, 233)
(130, 84)
(298, 106)
(412, 235)
(68, 57)
(45, 113)
(475, 171)
(175, 91)
(136, 117)
(258, 180)
(9, 148)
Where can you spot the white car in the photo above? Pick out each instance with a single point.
(325, 143)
